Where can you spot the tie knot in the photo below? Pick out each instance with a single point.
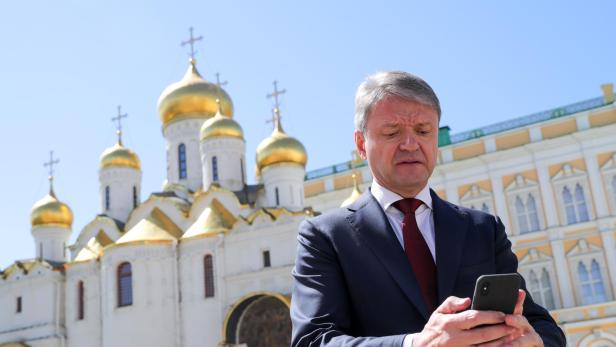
(408, 205)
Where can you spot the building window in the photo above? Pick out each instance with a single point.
(135, 200)
(80, 303)
(107, 198)
(528, 220)
(41, 250)
(208, 268)
(266, 259)
(591, 283)
(214, 169)
(18, 308)
(277, 196)
(575, 206)
(485, 208)
(182, 160)
(580, 203)
(125, 285)
(541, 289)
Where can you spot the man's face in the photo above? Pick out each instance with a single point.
(401, 144)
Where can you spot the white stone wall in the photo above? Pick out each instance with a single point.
(186, 132)
(41, 321)
(87, 331)
(288, 179)
(51, 243)
(153, 317)
(231, 159)
(120, 182)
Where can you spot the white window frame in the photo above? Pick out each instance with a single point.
(537, 261)
(609, 174)
(586, 252)
(476, 197)
(522, 187)
(569, 177)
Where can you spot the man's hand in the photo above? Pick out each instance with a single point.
(525, 335)
(448, 326)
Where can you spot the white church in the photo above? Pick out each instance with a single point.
(207, 261)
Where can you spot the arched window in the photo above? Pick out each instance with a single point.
(135, 201)
(277, 196)
(592, 284)
(80, 303)
(531, 208)
(541, 289)
(521, 212)
(580, 203)
(214, 169)
(125, 285)
(546, 285)
(569, 206)
(208, 270)
(485, 208)
(107, 198)
(182, 160)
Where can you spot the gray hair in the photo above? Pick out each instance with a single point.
(391, 83)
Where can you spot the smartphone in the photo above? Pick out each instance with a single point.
(497, 292)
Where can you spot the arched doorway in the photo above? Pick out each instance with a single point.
(259, 320)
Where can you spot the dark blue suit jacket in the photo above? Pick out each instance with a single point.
(354, 285)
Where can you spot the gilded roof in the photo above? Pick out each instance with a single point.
(355, 193)
(49, 211)
(215, 219)
(119, 156)
(192, 97)
(280, 148)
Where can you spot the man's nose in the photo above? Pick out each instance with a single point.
(409, 143)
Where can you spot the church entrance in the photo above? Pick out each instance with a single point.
(259, 320)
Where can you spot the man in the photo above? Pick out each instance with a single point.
(398, 267)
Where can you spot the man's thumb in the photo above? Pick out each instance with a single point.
(453, 304)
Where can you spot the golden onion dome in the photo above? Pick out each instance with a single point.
(221, 126)
(119, 156)
(280, 148)
(355, 193)
(49, 211)
(192, 97)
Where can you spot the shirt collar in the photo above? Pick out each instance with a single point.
(386, 197)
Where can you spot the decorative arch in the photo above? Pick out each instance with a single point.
(256, 313)
(596, 337)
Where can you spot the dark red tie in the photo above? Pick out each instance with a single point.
(417, 251)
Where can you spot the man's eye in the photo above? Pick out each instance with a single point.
(391, 134)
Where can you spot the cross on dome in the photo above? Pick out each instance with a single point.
(191, 41)
(118, 118)
(50, 164)
(275, 94)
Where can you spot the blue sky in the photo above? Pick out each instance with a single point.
(66, 65)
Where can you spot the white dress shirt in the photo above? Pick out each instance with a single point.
(423, 215)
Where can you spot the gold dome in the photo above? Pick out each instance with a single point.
(192, 97)
(119, 156)
(280, 148)
(221, 126)
(49, 211)
(355, 193)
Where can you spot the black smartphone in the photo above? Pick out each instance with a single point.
(497, 292)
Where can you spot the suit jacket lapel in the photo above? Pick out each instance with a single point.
(450, 227)
(372, 225)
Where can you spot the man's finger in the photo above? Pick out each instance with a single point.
(519, 305)
(485, 334)
(453, 304)
(530, 340)
(518, 322)
(472, 318)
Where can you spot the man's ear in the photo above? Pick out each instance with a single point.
(360, 143)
